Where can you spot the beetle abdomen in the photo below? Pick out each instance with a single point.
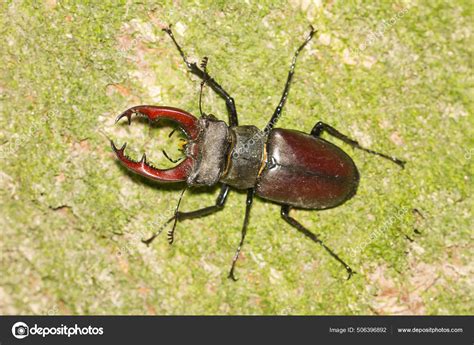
(306, 172)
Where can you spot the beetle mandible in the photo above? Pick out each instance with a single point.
(263, 162)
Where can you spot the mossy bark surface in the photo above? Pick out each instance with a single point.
(396, 76)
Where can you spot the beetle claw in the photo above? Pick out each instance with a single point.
(350, 272)
(149, 240)
(400, 163)
(231, 276)
(128, 113)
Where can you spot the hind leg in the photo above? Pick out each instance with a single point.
(321, 126)
(285, 213)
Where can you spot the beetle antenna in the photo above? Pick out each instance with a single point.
(204, 63)
(200, 99)
(204, 68)
(160, 230)
(171, 232)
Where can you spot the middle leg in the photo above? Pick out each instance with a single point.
(179, 216)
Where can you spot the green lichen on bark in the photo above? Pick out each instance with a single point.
(395, 76)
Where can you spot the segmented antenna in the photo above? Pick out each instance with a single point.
(204, 68)
(171, 232)
(204, 64)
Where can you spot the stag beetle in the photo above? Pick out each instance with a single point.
(288, 167)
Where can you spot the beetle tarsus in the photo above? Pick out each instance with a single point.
(234, 261)
(149, 240)
(399, 162)
(175, 218)
(156, 234)
(231, 275)
(350, 272)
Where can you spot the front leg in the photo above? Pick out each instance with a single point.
(206, 78)
(179, 216)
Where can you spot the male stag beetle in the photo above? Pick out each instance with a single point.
(288, 167)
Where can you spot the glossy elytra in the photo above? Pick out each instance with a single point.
(289, 167)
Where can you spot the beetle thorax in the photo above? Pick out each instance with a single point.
(245, 157)
(209, 152)
(231, 155)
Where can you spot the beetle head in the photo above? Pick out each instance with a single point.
(185, 120)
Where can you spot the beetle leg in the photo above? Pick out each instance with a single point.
(250, 194)
(321, 126)
(206, 78)
(179, 216)
(286, 90)
(285, 210)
